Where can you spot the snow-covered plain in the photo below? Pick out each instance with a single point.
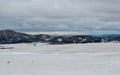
(68, 59)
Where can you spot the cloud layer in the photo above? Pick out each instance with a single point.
(60, 15)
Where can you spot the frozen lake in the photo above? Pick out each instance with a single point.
(68, 59)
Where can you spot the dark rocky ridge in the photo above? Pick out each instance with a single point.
(10, 36)
(75, 39)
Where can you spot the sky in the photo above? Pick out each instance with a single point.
(92, 16)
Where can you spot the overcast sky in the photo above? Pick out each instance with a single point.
(61, 15)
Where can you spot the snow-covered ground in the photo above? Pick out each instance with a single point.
(68, 59)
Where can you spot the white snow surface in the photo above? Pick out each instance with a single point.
(66, 59)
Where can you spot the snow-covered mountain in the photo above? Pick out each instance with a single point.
(10, 36)
(75, 39)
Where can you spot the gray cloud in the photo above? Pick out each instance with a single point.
(64, 15)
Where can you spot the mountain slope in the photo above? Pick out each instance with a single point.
(10, 36)
(75, 39)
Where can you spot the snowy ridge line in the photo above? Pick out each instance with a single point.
(5, 50)
(59, 53)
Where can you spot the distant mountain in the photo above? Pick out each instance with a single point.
(110, 37)
(10, 36)
(75, 39)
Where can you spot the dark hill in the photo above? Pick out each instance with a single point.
(10, 36)
(75, 39)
